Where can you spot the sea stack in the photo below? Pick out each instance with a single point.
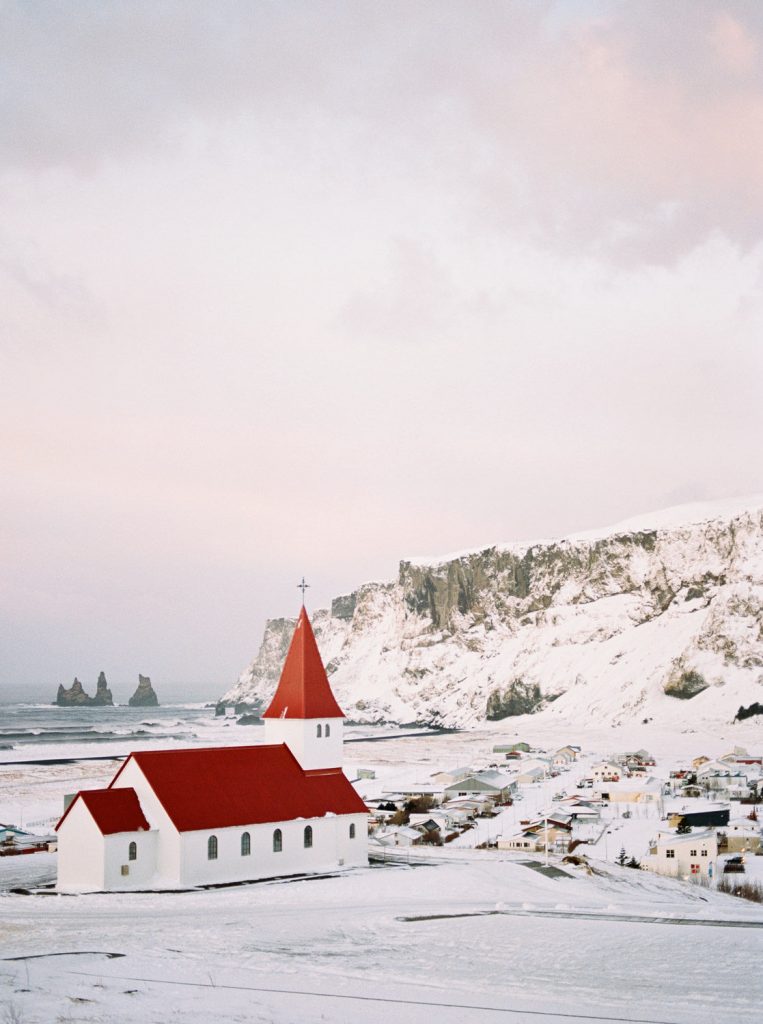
(103, 696)
(144, 696)
(74, 697)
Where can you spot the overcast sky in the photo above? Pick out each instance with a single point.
(296, 288)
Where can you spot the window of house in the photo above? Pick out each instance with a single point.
(308, 836)
(277, 841)
(212, 848)
(328, 729)
(695, 869)
(352, 830)
(318, 731)
(692, 853)
(133, 852)
(703, 853)
(670, 853)
(246, 844)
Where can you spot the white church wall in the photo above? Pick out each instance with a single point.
(80, 852)
(141, 872)
(331, 844)
(167, 854)
(301, 737)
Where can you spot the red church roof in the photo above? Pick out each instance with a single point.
(113, 810)
(220, 787)
(303, 690)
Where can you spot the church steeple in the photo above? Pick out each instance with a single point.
(304, 713)
(303, 690)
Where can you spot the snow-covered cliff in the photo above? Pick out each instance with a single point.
(660, 617)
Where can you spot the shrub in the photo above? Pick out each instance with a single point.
(745, 889)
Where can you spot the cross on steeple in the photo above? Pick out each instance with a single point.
(303, 587)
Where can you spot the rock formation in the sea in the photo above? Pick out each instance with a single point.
(103, 696)
(74, 697)
(144, 696)
(659, 618)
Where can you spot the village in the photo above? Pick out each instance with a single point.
(695, 821)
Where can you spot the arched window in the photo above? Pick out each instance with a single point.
(328, 729)
(133, 852)
(352, 830)
(246, 844)
(308, 836)
(277, 841)
(318, 731)
(212, 848)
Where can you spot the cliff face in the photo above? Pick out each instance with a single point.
(658, 618)
(144, 696)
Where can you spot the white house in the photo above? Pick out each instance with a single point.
(211, 816)
(495, 784)
(606, 771)
(638, 789)
(693, 855)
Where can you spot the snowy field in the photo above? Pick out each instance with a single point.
(473, 936)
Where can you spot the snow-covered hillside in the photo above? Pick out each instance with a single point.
(660, 617)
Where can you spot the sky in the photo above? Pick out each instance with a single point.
(307, 288)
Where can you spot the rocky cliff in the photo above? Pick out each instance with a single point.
(144, 696)
(659, 618)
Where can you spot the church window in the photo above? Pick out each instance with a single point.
(277, 841)
(212, 848)
(308, 836)
(328, 729)
(352, 830)
(318, 731)
(133, 851)
(246, 844)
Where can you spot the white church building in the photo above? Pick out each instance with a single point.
(184, 818)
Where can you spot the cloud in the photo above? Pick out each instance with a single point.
(581, 129)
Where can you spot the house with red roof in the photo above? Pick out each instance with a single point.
(220, 815)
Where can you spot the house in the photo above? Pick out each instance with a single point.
(740, 837)
(697, 762)
(527, 841)
(723, 778)
(713, 817)
(218, 815)
(606, 771)
(637, 789)
(565, 755)
(494, 784)
(512, 748)
(15, 841)
(398, 835)
(683, 856)
(446, 778)
(534, 838)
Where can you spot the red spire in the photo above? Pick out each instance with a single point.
(303, 690)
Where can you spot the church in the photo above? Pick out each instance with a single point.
(218, 815)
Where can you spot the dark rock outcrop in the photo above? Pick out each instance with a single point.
(103, 696)
(144, 696)
(74, 697)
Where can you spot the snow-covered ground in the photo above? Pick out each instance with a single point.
(400, 943)
(478, 934)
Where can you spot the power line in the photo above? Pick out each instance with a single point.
(377, 999)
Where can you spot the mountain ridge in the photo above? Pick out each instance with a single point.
(632, 622)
